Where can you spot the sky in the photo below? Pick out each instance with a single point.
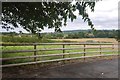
(104, 17)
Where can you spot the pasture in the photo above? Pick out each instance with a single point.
(102, 40)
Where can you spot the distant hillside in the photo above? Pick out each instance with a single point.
(88, 31)
(66, 31)
(74, 31)
(75, 34)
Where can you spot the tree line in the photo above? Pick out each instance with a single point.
(82, 34)
(45, 37)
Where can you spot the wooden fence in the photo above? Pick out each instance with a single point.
(84, 47)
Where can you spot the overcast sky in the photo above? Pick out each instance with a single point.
(105, 16)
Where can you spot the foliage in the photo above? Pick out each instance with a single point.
(23, 39)
(83, 34)
(34, 16)
(45, 37)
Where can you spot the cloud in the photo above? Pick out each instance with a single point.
(105, 16)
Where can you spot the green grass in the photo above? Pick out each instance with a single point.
(6, 55)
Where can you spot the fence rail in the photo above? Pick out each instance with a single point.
(99, 46)
(31, 44)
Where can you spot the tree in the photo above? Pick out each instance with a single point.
(34, 16)
(82, 34)
(20, 32)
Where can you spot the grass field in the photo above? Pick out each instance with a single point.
(8, 48)
(103, 40)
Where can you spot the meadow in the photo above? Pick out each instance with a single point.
(102, 40)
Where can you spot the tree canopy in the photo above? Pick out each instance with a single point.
(34, 16)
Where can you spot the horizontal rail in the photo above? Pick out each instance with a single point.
(52, 49)
(31, 44)
(55, 60)
(35, 50)
(48, 55)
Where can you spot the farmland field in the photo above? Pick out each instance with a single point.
(103, 40)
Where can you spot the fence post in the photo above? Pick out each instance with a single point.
(63, 48)
(63, 53)
(100, 49)
(35, 46)
(113, 48)
(84, 51)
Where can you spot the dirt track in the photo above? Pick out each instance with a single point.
(93, 69)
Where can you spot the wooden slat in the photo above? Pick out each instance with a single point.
(11, 65)
(19, 44)
(31, 44)
(18, 51)
(48, 55)
(102, 51)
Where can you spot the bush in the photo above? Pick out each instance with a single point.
(23, 39)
